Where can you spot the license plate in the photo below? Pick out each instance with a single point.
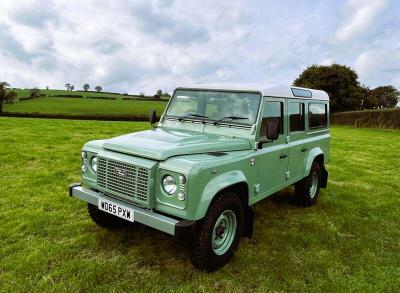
(116, 210)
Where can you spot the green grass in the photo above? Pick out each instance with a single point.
(349, 241)
(49, 105)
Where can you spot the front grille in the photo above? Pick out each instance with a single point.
(123, 179)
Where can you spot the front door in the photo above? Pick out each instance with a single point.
(273, 156)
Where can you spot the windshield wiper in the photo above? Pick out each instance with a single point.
(229, 117)
(192, 115)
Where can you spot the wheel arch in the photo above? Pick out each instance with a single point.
(316, 154)
(231, 181)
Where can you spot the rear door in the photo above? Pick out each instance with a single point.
(273, 156)
(296, 137)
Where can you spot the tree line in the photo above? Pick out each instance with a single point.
(345, 90)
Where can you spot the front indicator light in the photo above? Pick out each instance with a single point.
(182, 179)
(93, 164)
(84, 168)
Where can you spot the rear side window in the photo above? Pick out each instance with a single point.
(317, 115)
(296, 116)
(273, 111)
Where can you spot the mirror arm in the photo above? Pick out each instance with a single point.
(261, 142)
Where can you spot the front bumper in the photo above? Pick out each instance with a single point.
(160, 222)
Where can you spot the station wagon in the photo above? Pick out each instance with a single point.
(215, 152)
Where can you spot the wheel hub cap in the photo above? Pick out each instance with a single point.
(224, 232)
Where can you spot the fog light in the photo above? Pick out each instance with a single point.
(84, 168)
(181, 196)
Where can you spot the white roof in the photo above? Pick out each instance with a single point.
(273, 91)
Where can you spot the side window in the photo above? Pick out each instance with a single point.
(317, 115)
(296, 116)
(273, 111)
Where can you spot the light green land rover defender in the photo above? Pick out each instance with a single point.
(214, 153)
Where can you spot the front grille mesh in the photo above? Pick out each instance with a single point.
(123, 179)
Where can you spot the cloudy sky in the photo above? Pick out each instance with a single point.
(132, 46)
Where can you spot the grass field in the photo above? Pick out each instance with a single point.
(349, 241)
(48, 105)
(23, 93)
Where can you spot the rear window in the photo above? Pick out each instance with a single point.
(317, 115)
(296, 116)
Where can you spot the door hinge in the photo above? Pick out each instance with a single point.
(287, 175)
(257, 188)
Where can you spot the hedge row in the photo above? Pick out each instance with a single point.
(386, 118)
(143, 99)
(68, 96)
(76, 117)
(101, 98)
(25, 99)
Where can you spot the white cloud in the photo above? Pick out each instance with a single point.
(359, 16)
(145, 45)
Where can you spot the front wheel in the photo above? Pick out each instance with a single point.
(307, 190)
(219, 233)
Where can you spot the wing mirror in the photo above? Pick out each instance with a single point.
(270, 130)
(152, 117)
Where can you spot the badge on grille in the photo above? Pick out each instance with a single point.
(120, 172)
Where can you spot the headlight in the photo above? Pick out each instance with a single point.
(93, 164)
(169, 185)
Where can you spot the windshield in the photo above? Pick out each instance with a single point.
(232, 107)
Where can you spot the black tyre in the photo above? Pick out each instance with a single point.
(106, 220)
(218, 234)
(307, 190)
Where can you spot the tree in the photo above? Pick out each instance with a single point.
(159, 93)
(141, 94)
(68, 85)
(98, 88)
(71, 88)
(47, 87)
(6, 96)
(86, 87)
(156, 97)
(382, 97)
(35, 93)
(339, 81)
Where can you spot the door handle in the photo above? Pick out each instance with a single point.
(282, 156)
(303, 150)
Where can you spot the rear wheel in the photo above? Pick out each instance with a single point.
(106, 220)
(219, 233)
(307, 190)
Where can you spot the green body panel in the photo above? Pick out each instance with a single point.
(214, 157)
(161, 143)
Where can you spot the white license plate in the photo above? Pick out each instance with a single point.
(116, 210)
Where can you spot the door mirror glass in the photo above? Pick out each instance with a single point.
(152, 117)
(272, 129)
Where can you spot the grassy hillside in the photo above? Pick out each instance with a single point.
(349, 241)
(50, 105)
(23, 93)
